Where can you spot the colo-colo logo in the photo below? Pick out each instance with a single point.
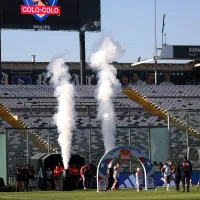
(40, 9)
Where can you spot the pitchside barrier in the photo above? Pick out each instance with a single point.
(127, 180)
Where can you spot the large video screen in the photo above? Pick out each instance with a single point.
(51, 14)
(186, 52)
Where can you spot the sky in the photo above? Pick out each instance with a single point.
(129, 22)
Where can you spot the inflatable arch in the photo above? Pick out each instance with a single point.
(125, 153)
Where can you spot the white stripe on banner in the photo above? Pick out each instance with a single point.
(133, 181)
(122, 186)
(128, 183)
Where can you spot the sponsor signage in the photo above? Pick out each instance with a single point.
(102, 185)
(181, 52)
(186, 52)
(125, 155)
(40, 10)
(51, 14)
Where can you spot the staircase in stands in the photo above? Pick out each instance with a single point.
(36, 140)
(151, 107)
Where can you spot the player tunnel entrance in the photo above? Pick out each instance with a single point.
(125, 153)
(129, 164)
(51, 160)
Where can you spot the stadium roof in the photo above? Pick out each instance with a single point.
(193, 62)
(118, 65)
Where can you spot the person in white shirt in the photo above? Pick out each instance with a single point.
(116, 174)
(136, 80)
(138, 176)
(167, 80)
(166, 174)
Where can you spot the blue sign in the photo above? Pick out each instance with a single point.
(127, 180)
(21, 80)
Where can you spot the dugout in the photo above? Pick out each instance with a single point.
(51, 160)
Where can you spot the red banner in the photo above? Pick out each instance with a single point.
(125, 155)
(40, 10)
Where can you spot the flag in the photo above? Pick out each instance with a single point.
(163, 26)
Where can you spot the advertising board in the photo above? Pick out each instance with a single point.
(51, 14)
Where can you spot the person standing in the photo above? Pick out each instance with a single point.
(75, 175)
(116, 173)
(186, 173)
(49, 175)
(110, 178)
(18, 177)
(84, 175)
(26, 178)
(58, 179)
(138, 180)
(198, 184)
(177, 174)
(167, 176)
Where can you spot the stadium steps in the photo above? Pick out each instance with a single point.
(160, 112)
(11, 119)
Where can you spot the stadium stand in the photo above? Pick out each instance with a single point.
(176, 100)
(34, 107)
(158, 109)
(13, 121)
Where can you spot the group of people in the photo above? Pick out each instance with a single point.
(75, 174)
(116, 174)
(182, 172)
(127, 82)
(25, 176)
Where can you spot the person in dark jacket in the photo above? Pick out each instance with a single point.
(176, 170)
(18, 176)
(26, 178)
(186, 170)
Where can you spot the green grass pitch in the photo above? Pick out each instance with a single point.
(109, 195)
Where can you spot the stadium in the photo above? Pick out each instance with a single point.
(156, 114)
(142, 113)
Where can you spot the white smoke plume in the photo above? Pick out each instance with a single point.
(108, 86)
(64, 91)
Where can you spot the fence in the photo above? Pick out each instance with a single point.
(187, 144)
(86, 142)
